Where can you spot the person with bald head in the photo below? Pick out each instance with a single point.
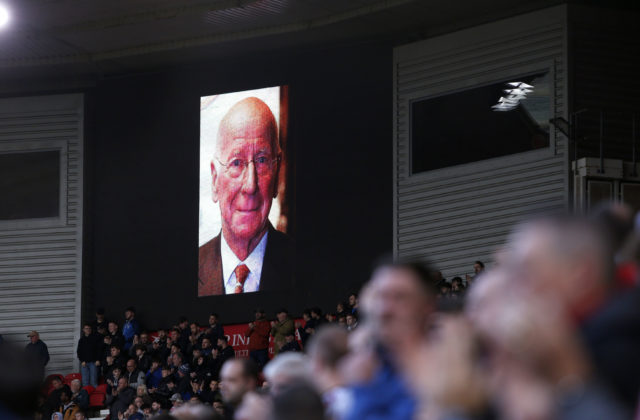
(248, 255)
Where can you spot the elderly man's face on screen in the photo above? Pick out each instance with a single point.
(245, 169)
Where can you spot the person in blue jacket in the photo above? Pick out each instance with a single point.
(131, 327)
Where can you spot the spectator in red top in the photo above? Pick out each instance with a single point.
(258, 334)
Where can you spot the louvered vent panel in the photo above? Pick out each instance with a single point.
(40, 265)
(454, 216)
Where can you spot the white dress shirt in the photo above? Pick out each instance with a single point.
(253, 261)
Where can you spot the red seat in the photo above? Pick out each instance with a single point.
(70, 377)
(96, 400)
(101, 389)
(89, 389)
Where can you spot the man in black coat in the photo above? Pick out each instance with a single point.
(89, 353)
(120, 398)
(37, 350)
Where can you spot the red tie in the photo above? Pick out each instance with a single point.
(242, 272)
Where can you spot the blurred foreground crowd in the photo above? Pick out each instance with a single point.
(550, 331)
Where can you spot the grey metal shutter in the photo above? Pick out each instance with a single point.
(41, 260)
(454, 216)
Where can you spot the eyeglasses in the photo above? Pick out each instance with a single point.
(235, 168)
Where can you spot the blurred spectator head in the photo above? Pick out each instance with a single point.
(183, 322)
(123, 383)
(567, 257)
(351, 320)
(398, 301)
(237, 377)
(298, 400)
(223, 341)
(65, 395)
(75, 385)
(282, 314)
(34, 336)
(115, 350)
(285, 369)
(478, 267)
(255, 405)
(326, 349)
(456, 284)
(195, 412)
(113, 327)
(306, 315)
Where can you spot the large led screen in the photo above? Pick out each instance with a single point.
(244, 197)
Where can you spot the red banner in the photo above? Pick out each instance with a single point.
(237, 340)
(240, 343)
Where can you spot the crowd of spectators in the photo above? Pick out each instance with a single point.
(146, 375)
(550, 331)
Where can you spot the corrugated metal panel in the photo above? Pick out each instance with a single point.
(454, 216)
(41, 266)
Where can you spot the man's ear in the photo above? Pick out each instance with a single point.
(214, 189)
(276, 179)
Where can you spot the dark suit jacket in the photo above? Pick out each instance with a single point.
(278, 265)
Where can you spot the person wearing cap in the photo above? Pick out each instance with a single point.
(130, 328)
(38, 350)
(258, 334)
(176, 401)
(184, 381)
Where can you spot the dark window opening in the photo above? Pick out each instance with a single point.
(29, 185)
(500, 119)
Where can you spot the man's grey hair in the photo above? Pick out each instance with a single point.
(293, 366)
(195, 412)
(574, 239)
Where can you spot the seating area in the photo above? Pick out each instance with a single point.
(97, 395)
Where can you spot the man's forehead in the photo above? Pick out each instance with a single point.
(240, 146)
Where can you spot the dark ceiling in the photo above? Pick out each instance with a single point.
(115, 36)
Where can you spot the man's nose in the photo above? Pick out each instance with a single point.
(250, 179)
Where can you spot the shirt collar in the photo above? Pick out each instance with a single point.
(253, 261)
